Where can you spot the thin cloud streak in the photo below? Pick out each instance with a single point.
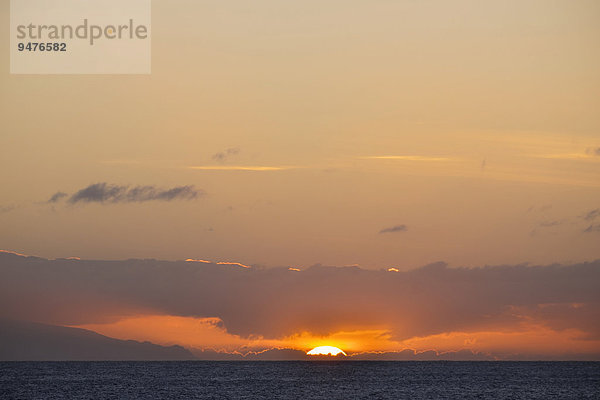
(233, 263)
(591, 215)
(592, 228)
(218, 262)
(568, 156)
(595, 151)
(240, 168)
(56, 197)
(397, 228)
(224, 155)
(6, 209)
(409, 158)
(109, 193)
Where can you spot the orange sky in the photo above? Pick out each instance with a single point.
(207, 333)
(319, 172)
(307, 128)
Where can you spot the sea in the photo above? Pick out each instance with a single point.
(300, 380)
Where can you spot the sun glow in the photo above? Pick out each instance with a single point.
(325, 351)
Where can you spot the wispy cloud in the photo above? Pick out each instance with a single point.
(549, 224)
(588, 218)
(588, 156)
(224, 155)
(591, 215)
(56, 197)
(397, 228)
(592, 228)
(545, 225)
(5, 209)
(409, 158)
(594, 151)
(108, 193)
(121, 162)
(258, 168)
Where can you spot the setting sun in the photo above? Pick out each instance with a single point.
(325, 351)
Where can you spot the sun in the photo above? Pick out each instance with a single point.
(326, 351)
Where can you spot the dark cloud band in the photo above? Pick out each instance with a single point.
(276, 303)
(109, 193)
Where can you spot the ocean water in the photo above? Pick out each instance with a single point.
(299, 380)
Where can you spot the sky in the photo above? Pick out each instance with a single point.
(371, 134)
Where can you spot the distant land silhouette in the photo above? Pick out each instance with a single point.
(29, 341)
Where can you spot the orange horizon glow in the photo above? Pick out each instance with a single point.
(210, 333)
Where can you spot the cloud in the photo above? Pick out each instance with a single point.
(224, 155)
(14, 253)
(5, 209)
(56, 197)
(108, 193)
(218, 262)
(591, 215)
(594, 151)
(589, 155)
(592, 228)
(408, 158)
(233, 263)
(549, 224)
(277, 303)
(397, 228)
(259, 168)
(544, 225)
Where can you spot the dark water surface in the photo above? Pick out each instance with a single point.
(299, 380)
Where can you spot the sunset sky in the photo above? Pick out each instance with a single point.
(371, 157)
